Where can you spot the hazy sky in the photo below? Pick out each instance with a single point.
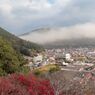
(20, 16)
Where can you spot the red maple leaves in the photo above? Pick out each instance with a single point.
(25, 85)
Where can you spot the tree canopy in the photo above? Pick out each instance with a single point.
(10, 60)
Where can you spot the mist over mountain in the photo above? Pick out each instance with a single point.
(77, 35)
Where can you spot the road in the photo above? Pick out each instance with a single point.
(73, 68)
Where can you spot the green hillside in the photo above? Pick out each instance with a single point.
(11, 50)
(20, 45)
(11, 61)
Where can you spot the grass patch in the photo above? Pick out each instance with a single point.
(48, 68)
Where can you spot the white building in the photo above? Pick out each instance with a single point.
(38, 58)
(68, 56)
(65, 64)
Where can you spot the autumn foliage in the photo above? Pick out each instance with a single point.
(25, 85)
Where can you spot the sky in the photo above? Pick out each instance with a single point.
(20, 16)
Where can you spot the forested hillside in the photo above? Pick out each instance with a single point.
(12, 49)
(11, 61)
(20, 45)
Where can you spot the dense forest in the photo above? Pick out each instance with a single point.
(11, 61)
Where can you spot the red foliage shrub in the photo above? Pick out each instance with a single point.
(25, 85)
(36, 86)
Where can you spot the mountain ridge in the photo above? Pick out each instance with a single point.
(18, 43)
(76, 40)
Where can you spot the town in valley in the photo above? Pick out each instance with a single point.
(68, 59)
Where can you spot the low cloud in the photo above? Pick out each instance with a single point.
(48, 35)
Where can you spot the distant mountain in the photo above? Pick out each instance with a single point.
(84, 42)
(60, 37)
(18, 44)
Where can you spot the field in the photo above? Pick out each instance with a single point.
(47, 68)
